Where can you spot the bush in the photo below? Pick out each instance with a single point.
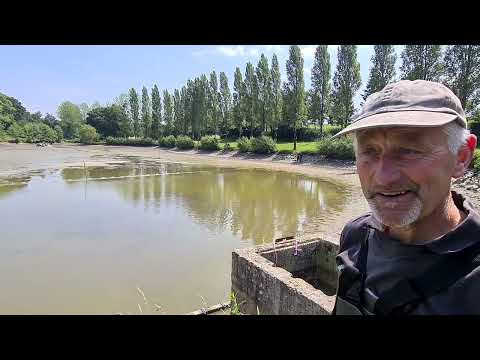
(474, 126)
(227, 147)
(167, 141)
(88, 134)
(336, 149)
(476, 161)
(244, 144)
(129, 142)
(185, 142)
(210, 142)
(59, 133)
(330, 130)
(263, 145)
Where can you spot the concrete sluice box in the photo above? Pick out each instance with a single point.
(286, 279)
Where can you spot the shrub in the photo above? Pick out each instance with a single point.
(129, 142)
(88, 134)
(474, 126)
(59, 133)
(185, 142)
(263, 145)
(16, 132)
(336, 149)
(330, 130)
(167, 141)
(227, 147)
(476, 160)
(210, 142)
(244, 144)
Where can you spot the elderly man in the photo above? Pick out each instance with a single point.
(417, 252)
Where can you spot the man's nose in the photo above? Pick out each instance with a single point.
(387, 171)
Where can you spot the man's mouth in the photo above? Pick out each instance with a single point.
(393, 194)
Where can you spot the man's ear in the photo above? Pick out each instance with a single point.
(464, 156)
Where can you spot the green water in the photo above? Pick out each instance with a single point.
(82, 242)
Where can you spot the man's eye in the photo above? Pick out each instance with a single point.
(368, 151)
(409, 151)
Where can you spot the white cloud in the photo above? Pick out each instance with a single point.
(237, 50)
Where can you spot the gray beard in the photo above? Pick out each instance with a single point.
(411, 216)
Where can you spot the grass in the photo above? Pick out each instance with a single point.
(287, 147)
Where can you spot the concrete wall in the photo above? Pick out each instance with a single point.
(262, 278)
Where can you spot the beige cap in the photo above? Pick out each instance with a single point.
(409, 103)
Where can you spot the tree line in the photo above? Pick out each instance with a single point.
(261, 104)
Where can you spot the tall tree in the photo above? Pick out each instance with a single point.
(264, 86)
(156, 112)
(462, 74)
(346, 83)
(251, 91)
(422, 62)
(70, 118)
(84, 109)
(134, 111)
(382, 71)
(214, 102)
(321, 85)
(238, 92)
(177, 113)
(276, 96)
(168, 112)
(204, 107)
(296, 88)
(225, 103)
(146, 116)
(186, 107)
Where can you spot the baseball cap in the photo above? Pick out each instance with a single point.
(418, 103)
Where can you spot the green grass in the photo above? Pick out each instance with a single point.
(287, 147)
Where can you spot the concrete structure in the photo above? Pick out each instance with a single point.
(288, 278)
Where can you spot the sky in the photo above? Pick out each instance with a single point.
(42, 76)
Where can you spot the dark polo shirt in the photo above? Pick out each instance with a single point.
(389, 261)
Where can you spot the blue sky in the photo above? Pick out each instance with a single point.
(41, 76)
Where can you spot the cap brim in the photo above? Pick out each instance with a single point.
(400, 118)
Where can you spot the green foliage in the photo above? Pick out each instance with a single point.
(129, 141)
(421, 62)
(474, 125)
(167, 141)
(59, 133)
(346, 83)
(383, 69)
(227, 147)
(38, 132)
(462, 74)
(210, 142)
(109, 121)
(476, 161)
(285, 151)
(16, 132)
(134, 111)
(263, 145)
(88, 134)
(185, 142)
(234, 305)
(321, 84)
(331, 130)
(71, 119)
(336, 149)
(244, 144)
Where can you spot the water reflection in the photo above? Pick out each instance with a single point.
(253, 204)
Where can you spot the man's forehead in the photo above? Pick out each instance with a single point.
(399, 133)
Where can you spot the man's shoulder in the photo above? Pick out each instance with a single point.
(353, 231)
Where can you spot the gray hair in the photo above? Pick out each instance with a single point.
(456, 137)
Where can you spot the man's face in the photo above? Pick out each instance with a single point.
(405, 173)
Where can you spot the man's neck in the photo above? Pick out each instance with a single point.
(438, 223)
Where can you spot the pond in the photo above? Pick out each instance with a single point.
(120, 238)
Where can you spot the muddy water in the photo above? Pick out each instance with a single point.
(92, 240)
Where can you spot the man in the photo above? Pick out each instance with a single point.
(418, 251)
